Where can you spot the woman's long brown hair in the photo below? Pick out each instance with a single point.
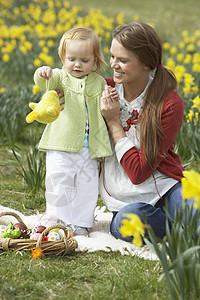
(145, 43)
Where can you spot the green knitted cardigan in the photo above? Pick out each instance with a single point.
(67, 133)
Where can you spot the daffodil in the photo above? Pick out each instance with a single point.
(197, 33)
(41, 43)
(187, 89)
(50, 43)
(180, 57)
(191, 186)
(35, 89)
(189, 79)
(2, 90)
(37, 62)
(120, 19)
(196, 68)
(192, 116)
(188, 59)
(173, 50)
(170, 64)
(6, 58)
(133, 226)
(190, 47)
(196, 102)
(184, 33)
(195, 89)
(196, 58)
(181, 45)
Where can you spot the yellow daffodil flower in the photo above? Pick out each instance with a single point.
(180, 57)
(166, 46)
(181, 45)
(173, 50)
(190, 48)
(196, 102)
(133, 226)
(37, 62)
(192, 116)
(196, 68)
(184, 33)
(6, 58)
(191, 186)
(195, 89)
(35, 89)
(2, 90)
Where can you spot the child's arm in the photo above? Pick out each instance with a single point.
(45, 72)
(45, 77)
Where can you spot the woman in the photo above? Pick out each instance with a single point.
(144, 172)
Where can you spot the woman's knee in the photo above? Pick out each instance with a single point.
(116, 223)
(148, 214)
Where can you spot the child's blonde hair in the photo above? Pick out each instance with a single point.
(85, 34)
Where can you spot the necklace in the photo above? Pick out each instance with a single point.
(132, 97)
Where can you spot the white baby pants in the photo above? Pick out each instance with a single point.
(71, 187)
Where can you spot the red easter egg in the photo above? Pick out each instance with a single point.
(40, 229)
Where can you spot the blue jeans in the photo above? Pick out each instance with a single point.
(155, 216)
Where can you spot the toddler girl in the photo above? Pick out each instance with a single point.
(79, 137)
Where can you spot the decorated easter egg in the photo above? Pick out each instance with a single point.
(35, 236)
(54, 230)
(40, 228)
(23, 228)
(61, 233)
(2, 228)
(53, 236)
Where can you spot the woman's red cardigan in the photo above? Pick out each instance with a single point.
(133, 161)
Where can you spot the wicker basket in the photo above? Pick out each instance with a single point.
(62, 247)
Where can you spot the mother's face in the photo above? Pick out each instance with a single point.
(126, 66)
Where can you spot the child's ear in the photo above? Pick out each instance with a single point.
(94, 67)
(95, 60)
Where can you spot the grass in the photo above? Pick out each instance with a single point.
(80, 276)
(14, 191)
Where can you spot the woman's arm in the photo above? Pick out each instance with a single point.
(110, 110)
(133, 161)
(130, 158)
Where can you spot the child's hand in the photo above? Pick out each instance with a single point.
(113, 93)
(45, 72)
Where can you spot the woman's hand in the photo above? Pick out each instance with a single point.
(113, 93)
(110, 106)
(60, 95)
(110, 109)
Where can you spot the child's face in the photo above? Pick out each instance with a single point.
(79, 58)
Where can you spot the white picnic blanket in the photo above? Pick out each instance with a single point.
(99, 237)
